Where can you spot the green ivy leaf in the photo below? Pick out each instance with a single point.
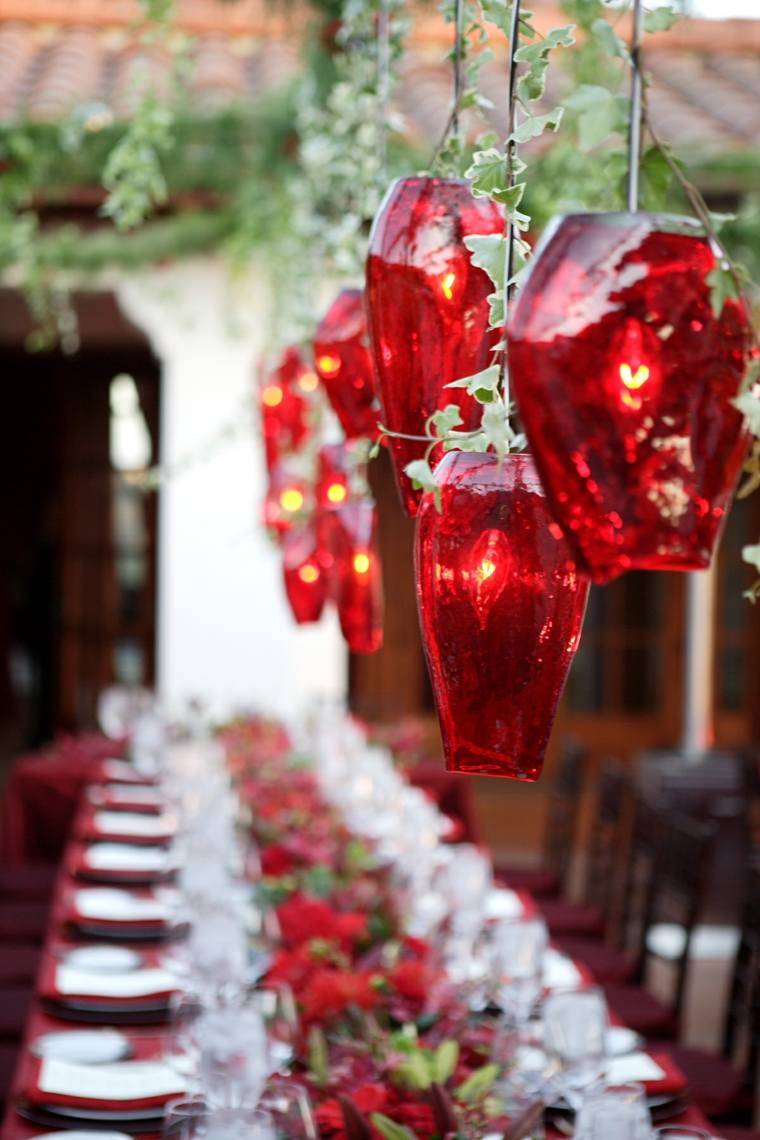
(532, 83)
(489, 253)
(751, 555)
(660, 19)
(445, 1061)
(446, 418)
(495, 426)
(477, 1085)
(749, 406)
(534, 127)
(421, 475)
(487, 173)
(600, 113)
(722, 286)
(487, 380)
(389, 1129)
(608, 39)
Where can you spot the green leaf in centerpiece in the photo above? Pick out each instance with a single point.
(477, 1085)
(445, 1061)
(722, 286)
(446, 418)
(319, 1065)
(389, 1129)
(535, 126)
(489, 253)
(485, 381)
(416, 1070)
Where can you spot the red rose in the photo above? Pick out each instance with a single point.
(329, 992)
(276, 860)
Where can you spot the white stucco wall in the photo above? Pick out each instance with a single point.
(225, 633)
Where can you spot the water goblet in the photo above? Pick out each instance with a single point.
(575, 1028)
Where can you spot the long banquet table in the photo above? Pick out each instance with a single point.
(147, 1038)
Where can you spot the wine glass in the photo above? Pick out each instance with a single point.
(575, 1028)
(680, 1132)
(621, 1109)
(291, 1110)
(517, 953)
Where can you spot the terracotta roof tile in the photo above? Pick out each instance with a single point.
(705, 92)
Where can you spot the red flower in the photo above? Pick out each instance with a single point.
(276, 860)
(413, 980)
(329, 992)
(418, 1117)
(302, 918)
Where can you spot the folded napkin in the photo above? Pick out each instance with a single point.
(110, 906)
(127, 1085)
(657, 1072)
(121, 772)
(129, 827)
(124, 797)
(124, 858)
(59, 980)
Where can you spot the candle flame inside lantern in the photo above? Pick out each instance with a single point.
(308, 381)
(447, 285)
(329, 365)
(308, 573)
(291, 499)
(361, 562)
(271, 397)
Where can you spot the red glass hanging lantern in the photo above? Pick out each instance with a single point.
(357, 575)
(284, 403)
(344, 364)
(501, 607)
(624, 378)
(289, 498)
(427, 308)
(332, 476)
(305, 582)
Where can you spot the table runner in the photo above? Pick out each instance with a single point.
(326, 890)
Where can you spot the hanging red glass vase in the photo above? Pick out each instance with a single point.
(305, 583)
(501, 606)
(284, 403)
(624, 378)
(344, 364)
(289, 498)
(357, 575)
(427, 308)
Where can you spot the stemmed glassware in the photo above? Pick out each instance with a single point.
(575, 1029)
(614, 1110)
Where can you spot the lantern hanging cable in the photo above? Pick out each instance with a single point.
(514, 33)
(458, 61)
(634, 123)
(383, 81)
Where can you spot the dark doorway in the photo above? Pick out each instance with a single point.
(77, 558)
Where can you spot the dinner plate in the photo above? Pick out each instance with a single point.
(85, 1046)
(79, 1134)
(94, 1013)
(52, 1116)
(660, 1105)
(103, 959)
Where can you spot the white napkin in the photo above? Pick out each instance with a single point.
(633, 1067)
(503, 903)
(124, 1080)
(126, 857)
(124, 794)
(116, 905)
(134, 823)
(121, 770)
(560, 972)
(135, 983)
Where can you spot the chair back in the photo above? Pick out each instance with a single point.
(563, 810)
(683, 854)
(741, 1040)
(608, 838)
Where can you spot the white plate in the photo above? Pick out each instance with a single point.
(85, 1046)
(78, 1134)
(109, 904)
(103, 959)
(621, 1040)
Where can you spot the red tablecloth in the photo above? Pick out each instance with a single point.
(147, 1040)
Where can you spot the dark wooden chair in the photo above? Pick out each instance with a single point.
(724, 1085)
(550, 878)
(606, 869)
(668, 873)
